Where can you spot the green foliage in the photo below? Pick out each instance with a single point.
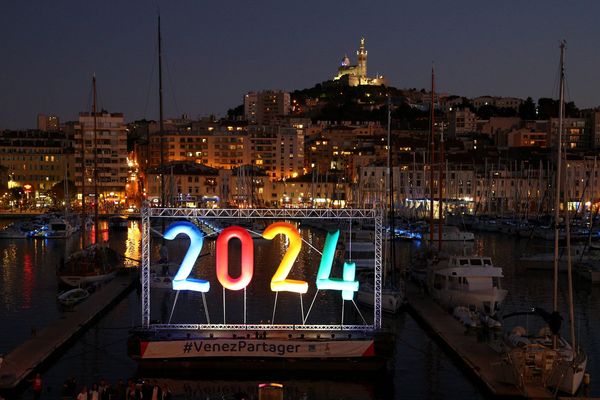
(236, 112)
(527, 109)
(16, 193)
(548, 108)
(361, 103)
(57, 192)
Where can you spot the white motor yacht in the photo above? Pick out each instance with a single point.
(471, 281)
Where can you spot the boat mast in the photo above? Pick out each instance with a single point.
(431, 156)
(566, 205)
(161, 120)
(558, 173)
(95, 147)
(441, 188)
(390, 168)
(83, 216)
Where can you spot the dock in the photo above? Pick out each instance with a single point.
(483, 362)
(23, 361)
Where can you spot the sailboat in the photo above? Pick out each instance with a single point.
(392, 295)
(547, 359)
(455, 281)
(96, 263)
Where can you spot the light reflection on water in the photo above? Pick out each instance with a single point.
(423, 370)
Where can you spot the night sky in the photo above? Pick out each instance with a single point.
(215, 51)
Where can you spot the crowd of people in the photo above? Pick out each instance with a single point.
(132, 390)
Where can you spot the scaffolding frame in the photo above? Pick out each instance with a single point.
(260, 213)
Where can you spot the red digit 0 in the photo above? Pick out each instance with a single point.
(222, 258)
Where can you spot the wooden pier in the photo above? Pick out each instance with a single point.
(23, 361)
(484, 363)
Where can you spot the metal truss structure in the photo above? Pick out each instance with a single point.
(260, 213)
(265, 213)
(261, 327)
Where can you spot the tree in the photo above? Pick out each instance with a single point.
(548, 108)
(16, 194)
(527, 109)
(57, 192)
(236, 112)
(487, 111)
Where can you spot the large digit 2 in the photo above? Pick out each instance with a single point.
(181, 280)
(279, 282)
(324, 281)
(222, 258)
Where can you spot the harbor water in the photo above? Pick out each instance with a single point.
(423, 369)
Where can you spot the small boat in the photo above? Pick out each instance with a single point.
(56, 228)
(450, 234)
(474, 319)
(465, 316)
(94, 264)
(23, 229)
(362, 254)
(547, 360)
(15, 231)
(589, 271)
(161, 281)
(73, 296)
(391, 299)
(118, 222)
(545, 261)
(534, 358)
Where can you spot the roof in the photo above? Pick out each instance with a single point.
(185, 168)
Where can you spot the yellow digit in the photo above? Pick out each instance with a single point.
(279, 283)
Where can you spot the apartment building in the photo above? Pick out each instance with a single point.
(262, 107)
(34, 159)
(104, 152)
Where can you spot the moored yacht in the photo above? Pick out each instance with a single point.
(392, 299)
(538, 362)
(57, 228)
(92, 265)
(471, 281)
(362, 254)
(548, 360)
(450, 234)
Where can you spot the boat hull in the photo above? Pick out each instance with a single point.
(86, 280)
(391, 300)
(486, 301)
(573, 376)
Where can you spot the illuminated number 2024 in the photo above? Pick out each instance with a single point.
(279, 282)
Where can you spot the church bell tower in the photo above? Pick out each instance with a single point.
(362, 60)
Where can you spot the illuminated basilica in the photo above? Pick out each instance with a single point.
(355, 75)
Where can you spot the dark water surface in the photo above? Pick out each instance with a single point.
(28, 289)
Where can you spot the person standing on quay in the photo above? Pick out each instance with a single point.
(83, 395)
(37, 386)
(94, 394)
